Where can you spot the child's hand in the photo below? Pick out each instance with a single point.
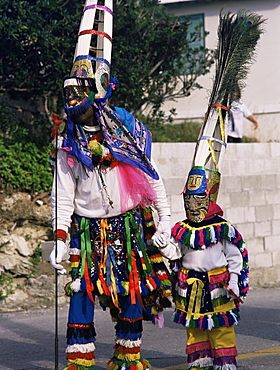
(233, 285)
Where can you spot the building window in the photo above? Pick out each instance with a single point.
(196, 32)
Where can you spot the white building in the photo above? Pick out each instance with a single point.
(262, 93)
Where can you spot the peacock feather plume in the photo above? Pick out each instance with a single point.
(238, 35)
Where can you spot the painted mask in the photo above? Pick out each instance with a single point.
(196, 206)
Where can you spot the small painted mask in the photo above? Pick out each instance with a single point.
(196, 206)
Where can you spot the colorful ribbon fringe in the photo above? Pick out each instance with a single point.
(203, 237)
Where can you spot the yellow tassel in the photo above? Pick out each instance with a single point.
(95, 147)
(110, 365)
(139, 366)
(154, 311)
(81, 361)
(156, 259)
(74, 264)
(127, 356)
(125, 284)
(114, 293)
(99, 287)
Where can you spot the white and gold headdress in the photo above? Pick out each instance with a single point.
(92, 58)
(238, 35)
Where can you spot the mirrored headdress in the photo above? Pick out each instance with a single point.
(90, 75)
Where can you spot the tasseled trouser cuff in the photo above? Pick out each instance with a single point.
(80, 357)
(211, 349)
(128, 338)
(80, 333)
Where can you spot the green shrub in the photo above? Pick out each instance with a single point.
(24, 167)
(37, 255)
(179, 132)
(6, 286)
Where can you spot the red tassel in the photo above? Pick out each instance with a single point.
(72, 367)
(57, 124)
(89, 287)
(103, 284)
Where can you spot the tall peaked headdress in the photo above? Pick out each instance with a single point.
(238, 35)
(92, 58)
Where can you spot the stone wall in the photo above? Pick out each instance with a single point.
(249, 196)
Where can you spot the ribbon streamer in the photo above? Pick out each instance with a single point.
(196, 294)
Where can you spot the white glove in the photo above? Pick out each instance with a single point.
(60, 248)
(161, 237)
(233, 285)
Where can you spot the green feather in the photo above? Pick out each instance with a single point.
(238, 35)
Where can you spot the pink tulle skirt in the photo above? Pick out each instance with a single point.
(135, 187)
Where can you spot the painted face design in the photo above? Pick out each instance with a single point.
(196, 206)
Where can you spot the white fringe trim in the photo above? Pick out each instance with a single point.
(161, 272)
(83, 348)
(225, 367)
(202, 362)
(235, 319)
(149, 285)
(231, 231)
(128, 343)
(210, 322)
(213, 235)
(192, 239)
(74, 251)
(218, 292)
(181, 292)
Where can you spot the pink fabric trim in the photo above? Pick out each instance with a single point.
(180, 233)
(135, 187)
(224, 276)
(199, 346)
(224, 352)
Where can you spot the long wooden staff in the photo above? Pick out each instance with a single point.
(56, 273)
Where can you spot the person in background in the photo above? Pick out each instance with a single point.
(238, 111)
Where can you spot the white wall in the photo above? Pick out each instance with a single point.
(249, 196)
(263, 89)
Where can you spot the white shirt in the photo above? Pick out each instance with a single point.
(81, 192)
(238, 111)
(219, 255)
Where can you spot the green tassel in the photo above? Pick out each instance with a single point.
(216, 321)
(192, 323)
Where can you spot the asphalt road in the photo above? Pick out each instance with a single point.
(27, 338)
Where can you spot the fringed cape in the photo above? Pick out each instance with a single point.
(211, 232)
(127, 139)
(208, 233)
